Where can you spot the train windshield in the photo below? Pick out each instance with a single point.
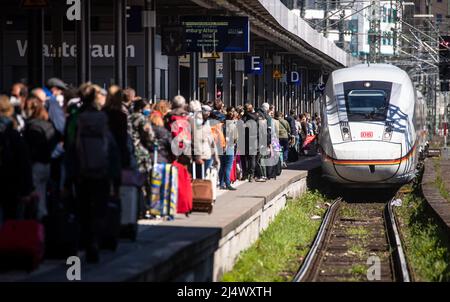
(367, 105)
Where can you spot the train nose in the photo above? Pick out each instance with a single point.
(367, 161)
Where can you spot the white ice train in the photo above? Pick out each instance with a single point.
(373, 127)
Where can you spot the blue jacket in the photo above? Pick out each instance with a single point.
(56, 115)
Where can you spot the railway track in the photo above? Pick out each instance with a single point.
(357, 241)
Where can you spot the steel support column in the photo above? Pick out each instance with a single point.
(120, 42)
(83, 43)
(283, 85)
(289, 87)
(2, 61)
(57, 37)
(227, 79)
(268, 81)
(239, 83)
(306, 86)
(261, 83)
(212, 80)
(277, 94)
(149, 37)
(194, 76)
(35, 53)
(174, 76)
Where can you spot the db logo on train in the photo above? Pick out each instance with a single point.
(367, 134)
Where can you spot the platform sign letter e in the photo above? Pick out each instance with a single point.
(254, 65)
(74, 271)
(74, 11)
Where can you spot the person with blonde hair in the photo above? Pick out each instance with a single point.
(163, 137)
(6, 108)
(163, 107)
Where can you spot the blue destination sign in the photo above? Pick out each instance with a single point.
(254, 65)
(216, 34)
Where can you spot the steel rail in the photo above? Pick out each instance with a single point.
(400, 264)
(318, 241)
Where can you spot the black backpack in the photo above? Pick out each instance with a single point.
(93, 144)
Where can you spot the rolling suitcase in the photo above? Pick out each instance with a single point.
(293, 154)
(21, 245)
(22, 240)
(62, 231)
(62, 228)
(129, 197)
(213, 176)
(110, 232)
(164, 189)
(184, 205)
(203, 194)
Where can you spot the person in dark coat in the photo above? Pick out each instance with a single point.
(119, 124)
(251, 142)
(15, 164)
(293, 124)
(42, 139)
(94, 192)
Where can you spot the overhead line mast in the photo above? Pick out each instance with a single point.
(374, 32)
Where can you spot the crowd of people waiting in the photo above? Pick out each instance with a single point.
(58, 142)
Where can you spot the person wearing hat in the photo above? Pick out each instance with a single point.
(56, 102)
(57, 117)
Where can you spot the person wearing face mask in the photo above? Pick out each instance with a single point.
(142, 135)
(19, 95)
(57, 117)
(55, 103)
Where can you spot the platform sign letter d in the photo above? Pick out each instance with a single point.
(74, 271)
(374, 271)
(295, 77)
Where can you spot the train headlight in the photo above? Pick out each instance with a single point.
(346, 133)
(388, 131)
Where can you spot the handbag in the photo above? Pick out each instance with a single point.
(132, 178)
